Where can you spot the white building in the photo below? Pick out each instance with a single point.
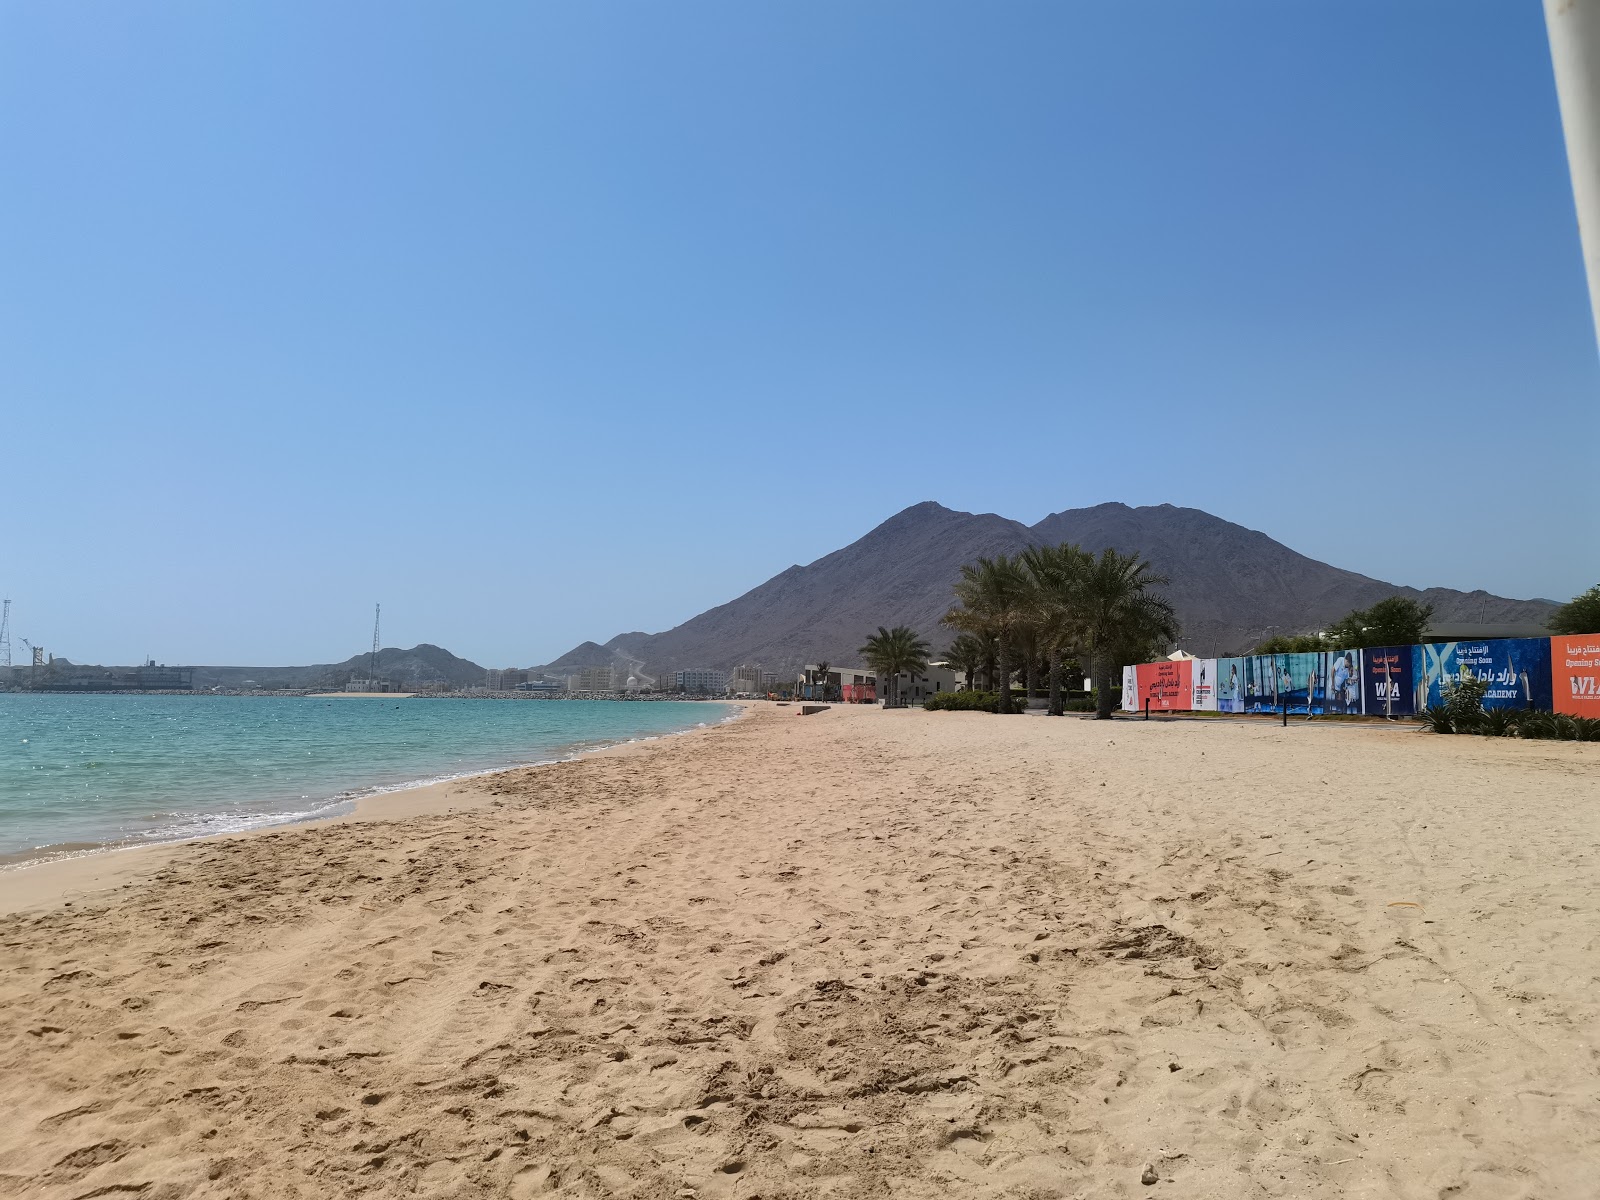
(853, 685)
(699, 680)
(915, 688)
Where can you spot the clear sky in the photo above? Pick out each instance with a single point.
(540, 322)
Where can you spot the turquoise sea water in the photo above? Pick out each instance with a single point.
(81, 771)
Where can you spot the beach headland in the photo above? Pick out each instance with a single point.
(863, 953)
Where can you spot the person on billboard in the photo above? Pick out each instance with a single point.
(1343, 672)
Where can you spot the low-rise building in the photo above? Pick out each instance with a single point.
(861, 685)
(848, 685)
(916, 687)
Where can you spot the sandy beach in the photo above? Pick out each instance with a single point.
(858, 954)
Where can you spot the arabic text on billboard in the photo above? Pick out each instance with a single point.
(1386, 675)
(1517, 669)
(1575, 667)
(1168, 686)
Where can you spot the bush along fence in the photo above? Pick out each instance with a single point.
(1558, 675)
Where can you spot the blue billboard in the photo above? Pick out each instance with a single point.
(1327, 681)
(1518, 671)
(1387, 673)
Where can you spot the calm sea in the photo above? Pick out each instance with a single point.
(80, 771)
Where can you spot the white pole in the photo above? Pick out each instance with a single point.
(1574, 29)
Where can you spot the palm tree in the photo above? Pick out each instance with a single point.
(1026, 640)
(967, 653)
(895, 651)
(1122, 619)
(993, 596)
(819, 678)
(1055, 578)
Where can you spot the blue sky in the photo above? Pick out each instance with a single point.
(541, 322)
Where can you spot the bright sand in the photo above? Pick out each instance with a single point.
(859, 954)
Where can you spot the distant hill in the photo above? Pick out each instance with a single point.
(423, 664)
(1230, 585)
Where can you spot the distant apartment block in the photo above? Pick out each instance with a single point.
(506, 680)
(699, 679)
(745, 678)
(593, 679)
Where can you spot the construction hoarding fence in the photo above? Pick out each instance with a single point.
(1560, 674)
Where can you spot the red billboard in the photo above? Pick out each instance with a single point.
(1575, 673)
(1168, 686)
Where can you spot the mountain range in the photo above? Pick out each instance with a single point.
(1232, 587)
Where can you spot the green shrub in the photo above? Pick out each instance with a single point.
(1499, 722)
(1536, 725)
(1437, 718)
(972, 701)
(1457, 715)
(963, 702)
(1463, 697)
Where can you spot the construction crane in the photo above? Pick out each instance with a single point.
(370, 683)
(5, 640)
(372, 662)
(37, 653)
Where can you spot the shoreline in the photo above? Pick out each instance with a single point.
(56, 879)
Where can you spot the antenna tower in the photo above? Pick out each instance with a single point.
(5, 640)
(372, 661)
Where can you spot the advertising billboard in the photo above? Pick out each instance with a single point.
(1386, 681)
(1342, 683)
(1130, 689)
(1518, 671)
(1229, 686)
(1262, 676)
(1167, 685)
(1309, 684)
(1575, 672)
(1203, 677)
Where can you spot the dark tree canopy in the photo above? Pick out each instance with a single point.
(1396, 621)
(1581, 614)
